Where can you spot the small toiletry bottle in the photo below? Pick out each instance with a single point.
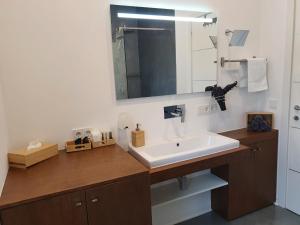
(138, 137)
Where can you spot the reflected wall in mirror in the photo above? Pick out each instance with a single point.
(160, 52)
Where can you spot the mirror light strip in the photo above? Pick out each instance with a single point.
(168, 18)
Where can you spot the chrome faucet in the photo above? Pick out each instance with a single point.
(175, 112)
(179, 112)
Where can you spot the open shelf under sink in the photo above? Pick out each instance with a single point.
(169, 193)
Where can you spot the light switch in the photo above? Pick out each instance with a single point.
(273, 103)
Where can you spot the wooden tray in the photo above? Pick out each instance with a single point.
(71, 147)
(104, 143)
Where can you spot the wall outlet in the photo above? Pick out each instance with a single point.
(81, 132)
(209, 108)
(204, 109)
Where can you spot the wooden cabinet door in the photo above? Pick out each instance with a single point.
(66, 209)
(265, 167)
(241, 185)
(123, 203)
(252, 179)
(236, 199)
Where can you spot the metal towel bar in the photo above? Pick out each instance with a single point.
(223, 61)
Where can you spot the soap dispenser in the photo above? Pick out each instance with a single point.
(138, 137)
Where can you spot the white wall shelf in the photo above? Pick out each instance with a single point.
(170, 193)
(181, 210)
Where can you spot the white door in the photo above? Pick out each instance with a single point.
(293, 184)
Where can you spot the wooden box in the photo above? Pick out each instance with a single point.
(71, 147)
(260, 121)
(103, 144)
(24, 158)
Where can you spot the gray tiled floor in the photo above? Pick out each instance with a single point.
(268, 216)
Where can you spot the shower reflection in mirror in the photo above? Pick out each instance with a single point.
(160, 52)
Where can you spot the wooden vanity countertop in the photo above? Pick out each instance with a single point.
(249, 137)
(69, 172)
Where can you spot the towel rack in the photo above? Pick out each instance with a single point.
(223, 61)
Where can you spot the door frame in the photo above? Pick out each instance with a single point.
(287, 95)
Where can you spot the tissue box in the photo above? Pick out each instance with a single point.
(24, 158)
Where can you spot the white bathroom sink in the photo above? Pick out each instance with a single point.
(171, 151)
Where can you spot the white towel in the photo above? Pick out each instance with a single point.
(243, 82)
(257, 75)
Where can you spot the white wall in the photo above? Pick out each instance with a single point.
(56, 63)
(276, 43)
(3, 143)
(56, 68)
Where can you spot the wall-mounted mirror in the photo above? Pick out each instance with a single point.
(160, 52)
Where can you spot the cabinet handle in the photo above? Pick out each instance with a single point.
(296, 118)
(256, 149)
(78, 204)
(297, 107)
(95, 200)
